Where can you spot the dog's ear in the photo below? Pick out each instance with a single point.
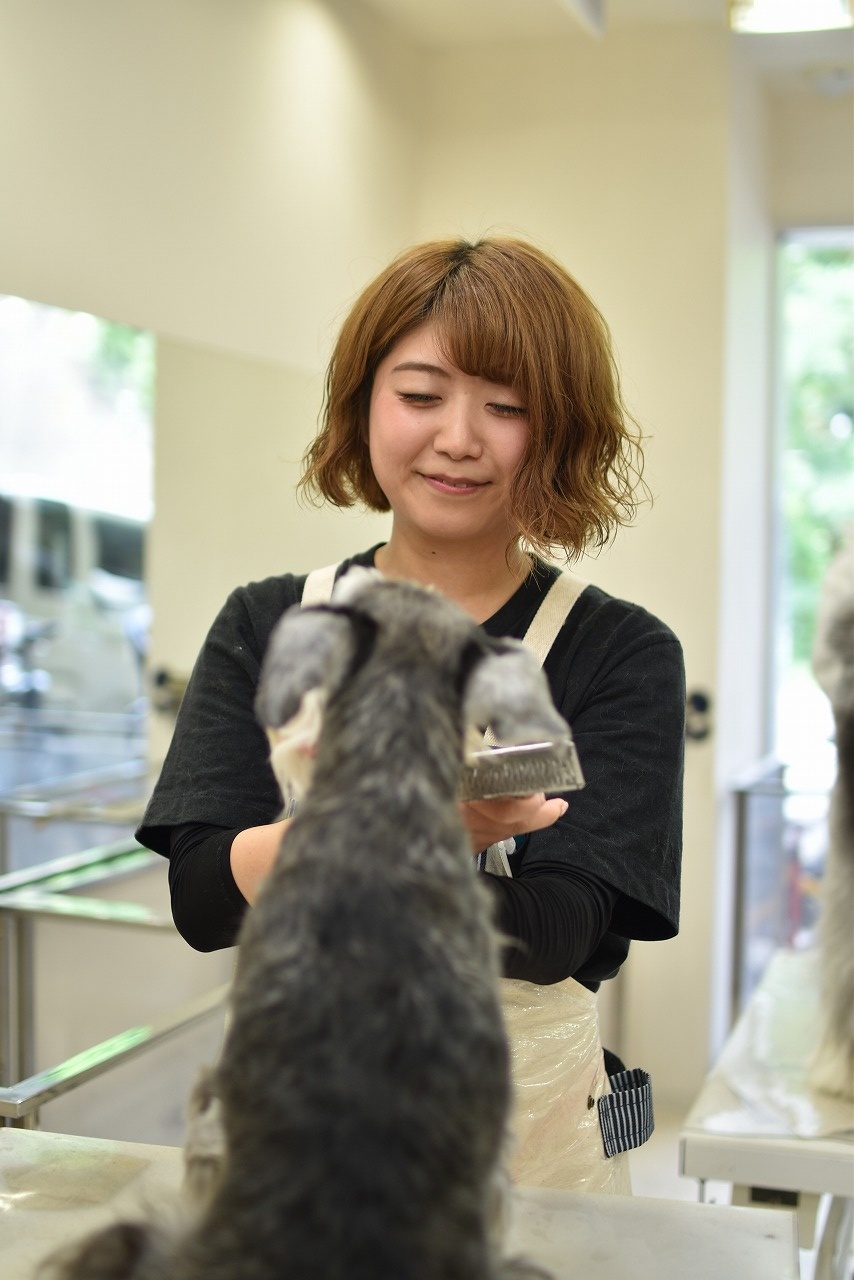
(309, 649)
(507, 691)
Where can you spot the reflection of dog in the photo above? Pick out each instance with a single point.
(833, 660)
(364, 1082)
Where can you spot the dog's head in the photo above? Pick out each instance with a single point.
(314, 651)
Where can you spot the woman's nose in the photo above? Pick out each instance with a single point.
(457, 434)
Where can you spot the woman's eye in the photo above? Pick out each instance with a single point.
(509, 410)
(417, 397)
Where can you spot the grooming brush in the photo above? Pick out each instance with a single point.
(521, 770)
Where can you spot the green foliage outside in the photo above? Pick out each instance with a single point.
(124, 357)
(817, 464)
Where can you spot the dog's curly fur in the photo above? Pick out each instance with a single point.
(364, 1083)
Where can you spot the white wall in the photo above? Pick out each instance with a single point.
(230, 435)
(809, 158)
(227, 172)
(743, 619)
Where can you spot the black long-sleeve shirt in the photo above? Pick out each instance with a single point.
(606, 872)
(567, 911)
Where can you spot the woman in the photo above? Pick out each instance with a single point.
(473, 393)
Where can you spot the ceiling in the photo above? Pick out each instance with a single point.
(822, 60)
(444, 23)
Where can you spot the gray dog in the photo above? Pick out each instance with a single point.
(364, 1084)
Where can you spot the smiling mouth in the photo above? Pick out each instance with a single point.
(451, 484)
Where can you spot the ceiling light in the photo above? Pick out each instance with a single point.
(590, 13)
(789, 15)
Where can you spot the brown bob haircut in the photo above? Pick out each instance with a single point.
(505, 311)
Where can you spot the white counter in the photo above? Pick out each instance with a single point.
(54, 1188)
(758, 1124)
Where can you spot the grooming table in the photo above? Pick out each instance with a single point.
(54, 1188)
(757, 1125)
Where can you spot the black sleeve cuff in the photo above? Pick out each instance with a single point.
(554, 921)
(207, 905)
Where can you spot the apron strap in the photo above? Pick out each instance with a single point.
(539, 637)
(552, 614)
(319, 584)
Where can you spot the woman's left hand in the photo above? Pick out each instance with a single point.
(488, 821)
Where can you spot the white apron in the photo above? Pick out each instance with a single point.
(557, 1063)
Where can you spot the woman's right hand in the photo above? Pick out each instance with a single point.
(488, 821)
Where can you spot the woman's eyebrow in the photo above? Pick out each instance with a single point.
(418, 366)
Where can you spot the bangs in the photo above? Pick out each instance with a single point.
(479, 327)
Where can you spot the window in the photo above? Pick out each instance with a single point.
(782, 809)
(6, 516)
(815, 468)
(53, 545)
(76, 396)
(119, 547)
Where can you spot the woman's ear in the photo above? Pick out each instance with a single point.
(507, 692)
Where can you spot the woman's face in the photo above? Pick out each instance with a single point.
(444, 445)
